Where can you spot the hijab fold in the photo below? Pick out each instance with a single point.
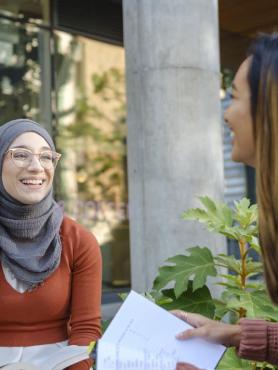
(30, 244)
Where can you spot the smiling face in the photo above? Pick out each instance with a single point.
(31, 184)
(238, 117)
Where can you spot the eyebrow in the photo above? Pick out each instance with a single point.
(27, 147)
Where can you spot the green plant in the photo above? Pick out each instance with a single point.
(244, 292)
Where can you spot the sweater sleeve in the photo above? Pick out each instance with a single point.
(259, 341)
(86, 295)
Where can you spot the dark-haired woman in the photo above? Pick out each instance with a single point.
(50, 267)
(253, 119)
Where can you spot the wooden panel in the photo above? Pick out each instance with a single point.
(233, 49)
(248, 16)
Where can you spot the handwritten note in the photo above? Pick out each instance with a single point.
(116, 357)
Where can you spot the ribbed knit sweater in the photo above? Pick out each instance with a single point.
(66, 306)
(259, 341)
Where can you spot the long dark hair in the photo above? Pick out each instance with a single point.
(263, 83)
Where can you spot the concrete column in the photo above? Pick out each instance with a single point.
(45, 104)
(174, 127)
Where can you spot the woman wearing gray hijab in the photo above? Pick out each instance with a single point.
(50, 270)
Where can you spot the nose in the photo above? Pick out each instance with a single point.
(35, 164)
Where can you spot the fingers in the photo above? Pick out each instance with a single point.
(183, 315)
(185, 366)
(214, 331)
(190, 333)
(201, 332)
(193, 319)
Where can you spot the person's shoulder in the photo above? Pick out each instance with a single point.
(73, 231)
(80, 246)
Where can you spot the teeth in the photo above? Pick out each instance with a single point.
(32, 182)
(232, 134)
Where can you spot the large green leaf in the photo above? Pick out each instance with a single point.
(230, 262)
(199, 301)
(254, 244)
(220, 309)
(197, 266)
(219, 212)
(216, 216)
(231, 280)
(235, 265)
(245, 215)
(230, 361)
(256, 303)
(247, 232)
(253, 267)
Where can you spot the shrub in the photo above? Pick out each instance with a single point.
(244, 291)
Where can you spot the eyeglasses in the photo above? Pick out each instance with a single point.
(23, 157)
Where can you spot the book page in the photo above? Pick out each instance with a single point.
(19, 366)
(58, 360)
(64, 357)
(143, 326)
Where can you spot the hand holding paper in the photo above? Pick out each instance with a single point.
(212, 330)
(142, 336)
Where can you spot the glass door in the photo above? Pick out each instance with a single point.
(90, 132)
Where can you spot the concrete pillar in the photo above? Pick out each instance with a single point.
(174, 127)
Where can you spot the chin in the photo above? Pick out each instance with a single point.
(29, 200)
(34, 200)
(236, 158)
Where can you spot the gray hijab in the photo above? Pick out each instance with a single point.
(30, 244)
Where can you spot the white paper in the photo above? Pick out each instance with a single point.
(119, 357)
(142, 330)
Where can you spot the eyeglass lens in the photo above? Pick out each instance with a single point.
(22, 158)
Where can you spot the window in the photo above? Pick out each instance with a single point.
(91, 134)
(24, 69)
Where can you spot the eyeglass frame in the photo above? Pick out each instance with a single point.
(12, 150)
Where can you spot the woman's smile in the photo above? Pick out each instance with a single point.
(31, 183)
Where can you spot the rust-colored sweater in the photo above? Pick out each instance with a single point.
(259, 341)
(66, 306)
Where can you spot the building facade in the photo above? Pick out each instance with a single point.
(130, 92)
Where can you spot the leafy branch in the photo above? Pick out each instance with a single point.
(182, 282)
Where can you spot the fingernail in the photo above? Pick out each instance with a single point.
(179, 335)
